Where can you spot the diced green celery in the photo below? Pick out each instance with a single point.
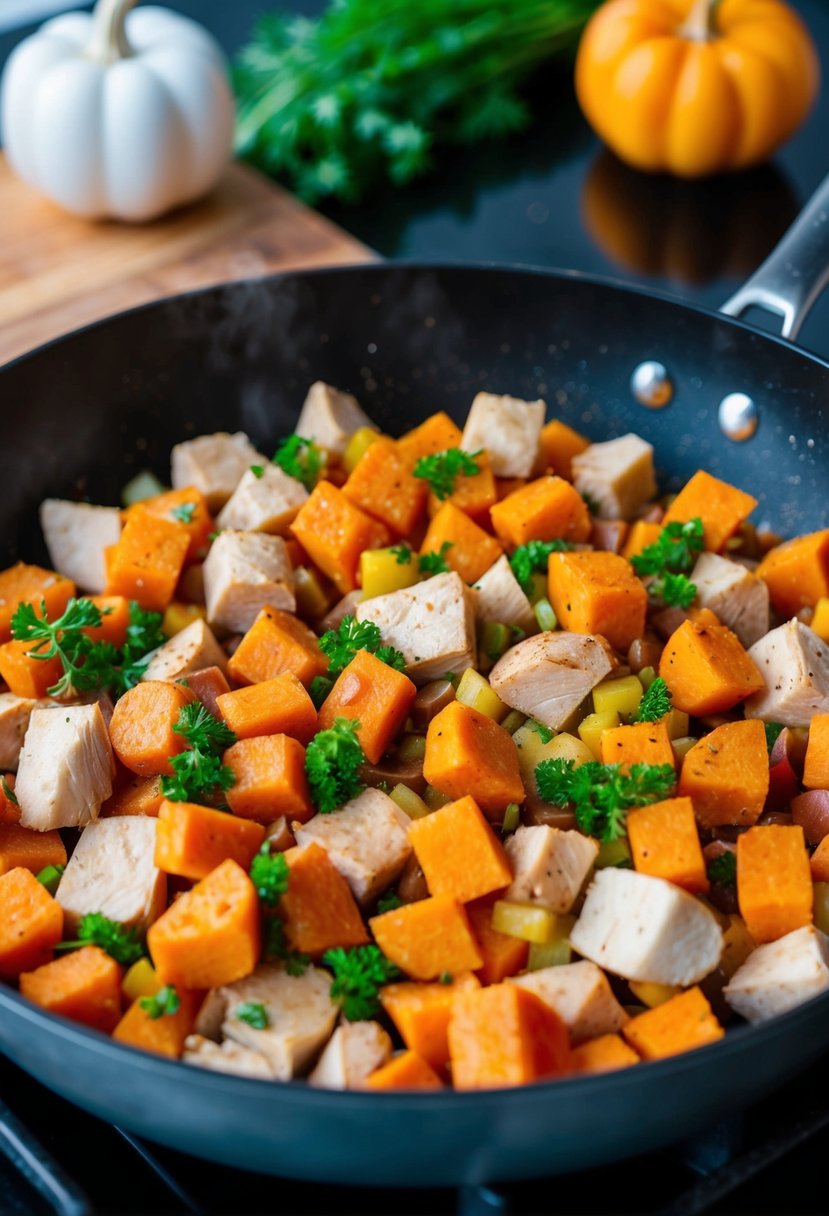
(513, 721)
(544, 614)
(434, 799)
(50, 877)
(555, 953)
(647, 676)
(613, 853)
(141, 487)
(495, 639)
(410, 802)
(512, 817)
(412, 747)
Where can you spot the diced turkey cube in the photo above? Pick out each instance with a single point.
(15, 713)
(112, 871)
(300, 1012)
(226, 1057)
(500, 598)
(66, 767)
(617, 475)
(508, 428)
(794, 664)
(191, 649)
(214, 464)
(780, 975)
(432, 624)
(739, 598)
(354, 1051)
(581, 996)
(243, 572)
(265, 501)
(645, 928)
(76, 535)
(549, 866)
(367, 840)
(548, 676)
(330, 417)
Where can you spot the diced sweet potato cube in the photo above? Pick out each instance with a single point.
(474, 493)
(642, 533)
(707, 669)
(146, 563)
(275, 643)
(270, 779)
(816, 764)
(427, 938)
(280, 706)
(374, 693)
(665, 842)
(437, 434)
(191, 840)
(558, 444)
(165, 1035)
(774, 881)
(546, 509)
(598, 593)
(639, 743)
(318, 909)
(142, 725)
(726, 774)
(24, 584)
(407, 1070)
(211, 935)
(135, 796)
(31, 925)
(207, 685)
(382, 486)
(608, 1052)
(504, 1035)
(682, 1023)
(470, 552)
(28, 849)
(421, 1014)
(468, 753)
(84, 985)
(820, 861)
(459, 852)
(334, 532)
(115, 619)
(26, 674)
(720, 506)
(503, 954)
(187, 506)
(797, 572)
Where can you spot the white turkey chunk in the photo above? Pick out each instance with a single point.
(581, 996)
(739, 598)
(367, 840)
(243, 572)
(15, 713)
(227, 1057)
(301, 1016)
(432, 624)
(500, 598)
(213, 464)
(191, 649)
(794, 664)
(645, 928)
(76, 535)
(330, 417)
(66, 767)
(549, 866)
(508, 428)
(354, 1051)
(548, 676)
(780, 975)
(112, 871)
(617, 476)
(266, 502)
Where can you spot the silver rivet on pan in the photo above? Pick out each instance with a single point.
(651, 385)
(738, 417)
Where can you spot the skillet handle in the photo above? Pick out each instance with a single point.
(795, 272)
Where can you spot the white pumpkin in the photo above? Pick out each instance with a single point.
(118, 114)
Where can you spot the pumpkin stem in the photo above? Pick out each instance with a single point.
(701, 23)
(109, 39)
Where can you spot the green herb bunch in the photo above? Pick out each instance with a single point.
(199, 772)
(602, 794)
(670, 559)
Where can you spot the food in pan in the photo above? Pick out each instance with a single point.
(460, 759)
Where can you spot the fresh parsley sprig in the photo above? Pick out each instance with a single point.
(332, 765)
(119, 942)
(602, 794)
(300, 458)
(435, 563)
(656, 702)
(531, 559)
(199, 772)
(674, 590)
(269, 874)
(723, 869)
(254, 1014)
(184, 512)
(674, 551)
(442, 469)
(163, 1003)
(359, 974)
(402, 554)
(274, 946)
(340, 645)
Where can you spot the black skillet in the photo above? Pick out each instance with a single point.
(82, 414)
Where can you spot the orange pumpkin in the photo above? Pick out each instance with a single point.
(695, 87)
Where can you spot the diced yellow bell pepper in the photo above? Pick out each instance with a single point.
(381, 571)
(653, 994)
(312, 598)
(409, 802)
(357, 446)
(474, 691)
(178, 616)
(557, 951)
(530, 922)
(593, 727)
(738, 942)
(621, 695)
(820, 619)
(140, 980)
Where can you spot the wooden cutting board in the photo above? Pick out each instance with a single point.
(58, 272)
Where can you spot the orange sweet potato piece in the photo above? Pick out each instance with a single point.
(210, 935)
(25, 674)
(334, 532)
(641, 534)
(24, 584)
(146, 563)
(459, 852)
(142, 724)
(31, 850)
(664, 842)
(558, 444)
(191, 840)
(720, 506)
(682, 1023)
(473, 494)
(31, 924)
(726, 774)
(505, 1035)
(639, 743)
(318, 908)
(84, 986)
(428, 938)
(468, 753)
(503, 955)
(546, 509)
(407, 1070)
(207, 685)
(270, 779)
(421, 1014)
(275, 643)
(135, 796)
(175, 505)
(608, 1052)
(9, 810)
(280, 706)
(165, 1035)
(115, 619)
(774, 881)
(374, 693)
(598, 593)
(504, 486)
(820, 862)
(797, 572)
(707, 669)
(437, 434)
(816, 764)
(471, 550)
(382, 486)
